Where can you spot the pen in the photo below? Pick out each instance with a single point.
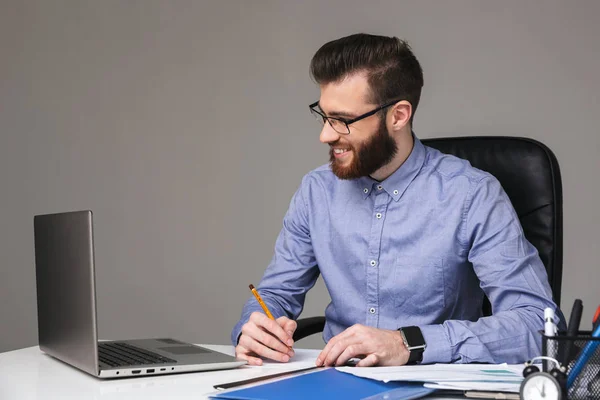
(594, 385)
(549, 332)
(584, 357)
(572, 329)
(596, 319)
(263, 305)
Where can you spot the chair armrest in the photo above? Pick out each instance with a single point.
(308, 326)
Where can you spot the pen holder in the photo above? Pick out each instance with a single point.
(570, 351)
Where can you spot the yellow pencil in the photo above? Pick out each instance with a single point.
(262, 304)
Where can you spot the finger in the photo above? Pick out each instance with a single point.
(336, 351)
(326, 350)
(250, 359)
(254, 334)
(288, 325)
(345, 335)
(259, 334)
(244, 354)
(323, 354)
(272, 327)
(262, 350)
(351, 351)
(368, 361)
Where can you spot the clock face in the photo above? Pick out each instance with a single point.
(540, 386)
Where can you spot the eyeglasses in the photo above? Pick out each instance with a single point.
(341, 125)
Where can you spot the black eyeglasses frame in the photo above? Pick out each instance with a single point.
(348, 122)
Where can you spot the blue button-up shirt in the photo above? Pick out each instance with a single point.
(420, 248)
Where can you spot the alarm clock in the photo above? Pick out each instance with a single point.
(539, 385)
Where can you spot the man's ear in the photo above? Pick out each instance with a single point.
(400, 115)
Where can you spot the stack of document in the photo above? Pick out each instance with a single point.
(480, 377)
(405, 382)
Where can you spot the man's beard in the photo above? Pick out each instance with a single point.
(371, 155)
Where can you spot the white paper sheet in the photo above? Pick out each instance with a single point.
(303, 358)
(459, 376)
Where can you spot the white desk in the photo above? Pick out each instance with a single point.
(30, 374)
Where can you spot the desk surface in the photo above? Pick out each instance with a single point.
(30, 374)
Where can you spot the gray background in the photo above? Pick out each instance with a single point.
(184, 126)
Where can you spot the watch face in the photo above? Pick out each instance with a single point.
(540, 386)
(414, 337)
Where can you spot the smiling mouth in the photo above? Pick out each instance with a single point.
(340, 152)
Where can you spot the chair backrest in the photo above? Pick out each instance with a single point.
(529, 173)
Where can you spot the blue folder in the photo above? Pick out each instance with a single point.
(328, 384)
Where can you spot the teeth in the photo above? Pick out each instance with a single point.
(339, 151)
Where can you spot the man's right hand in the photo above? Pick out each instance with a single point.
(263, 337)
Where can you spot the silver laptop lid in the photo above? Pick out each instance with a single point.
(66, 293)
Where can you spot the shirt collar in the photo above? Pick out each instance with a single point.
(396, 184)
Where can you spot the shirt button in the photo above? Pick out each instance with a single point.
(378, 215)
(379, 187)
(395, 192)
(373, 263)
(372, 310)
(366, 190)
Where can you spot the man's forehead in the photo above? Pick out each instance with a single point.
(347, 94)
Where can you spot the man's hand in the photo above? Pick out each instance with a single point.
(375, 347)
(263, 337)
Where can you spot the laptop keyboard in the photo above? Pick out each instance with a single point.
(117, 354)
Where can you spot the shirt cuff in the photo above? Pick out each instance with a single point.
(236, 333)
(438, 348)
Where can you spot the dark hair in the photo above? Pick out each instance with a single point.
(393, 71)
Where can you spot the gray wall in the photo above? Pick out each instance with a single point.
(184, 126)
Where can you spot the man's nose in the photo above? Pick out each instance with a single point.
(328, 134)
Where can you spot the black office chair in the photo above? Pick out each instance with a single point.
(529, 173)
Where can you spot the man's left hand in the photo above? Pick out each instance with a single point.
(375, 346)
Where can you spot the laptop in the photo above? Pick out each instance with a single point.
(66, 301)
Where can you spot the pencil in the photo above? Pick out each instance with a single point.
(262, 304)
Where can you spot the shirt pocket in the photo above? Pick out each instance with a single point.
(419, 286)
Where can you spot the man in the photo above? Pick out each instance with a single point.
(408, 240)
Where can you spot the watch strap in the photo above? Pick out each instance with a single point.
(415, 356)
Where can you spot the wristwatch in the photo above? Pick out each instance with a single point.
(414, 342)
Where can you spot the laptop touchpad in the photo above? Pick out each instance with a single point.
(184, 350)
